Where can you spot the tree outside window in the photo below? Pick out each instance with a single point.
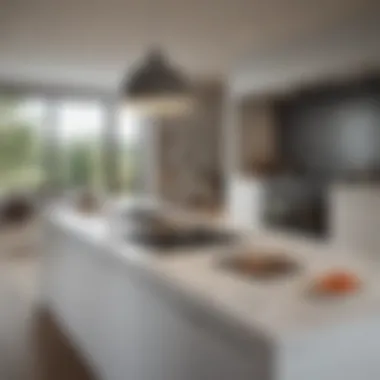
(20, 144)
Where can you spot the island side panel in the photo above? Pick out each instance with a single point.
(125, 327)
(347, 351)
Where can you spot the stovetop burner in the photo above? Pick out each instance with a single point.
(154, 228)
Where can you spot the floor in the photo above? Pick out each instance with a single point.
(31, 345)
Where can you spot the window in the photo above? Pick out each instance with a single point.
(129, 136)
(21, 123)
(63, 144)
(80, 127)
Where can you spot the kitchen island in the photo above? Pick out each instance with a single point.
(137, 315)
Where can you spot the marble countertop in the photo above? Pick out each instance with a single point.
(280, 309)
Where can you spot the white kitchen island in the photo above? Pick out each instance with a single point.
(139, 316)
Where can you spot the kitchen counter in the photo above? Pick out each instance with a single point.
(310, 338)
(355, 216)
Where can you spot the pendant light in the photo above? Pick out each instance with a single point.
(156, 87)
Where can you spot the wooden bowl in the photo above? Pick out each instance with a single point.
(262, 265)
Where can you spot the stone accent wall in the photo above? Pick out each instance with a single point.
(190, 166)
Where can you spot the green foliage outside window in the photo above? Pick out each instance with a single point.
(20, 165)
(25, 163)
(84, 168)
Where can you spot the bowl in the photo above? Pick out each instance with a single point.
(262, 265)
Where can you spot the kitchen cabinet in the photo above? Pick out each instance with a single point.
(136, 315)
(152, 341)
(127, 328)
(74, 286)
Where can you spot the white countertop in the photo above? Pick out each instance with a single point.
(279, 309)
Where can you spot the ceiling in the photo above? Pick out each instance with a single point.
(94, 42)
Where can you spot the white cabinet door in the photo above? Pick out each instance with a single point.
(75, 279)
(60, 274)
(120, 327)
(88, 290)
(181, 347)
(147, 338)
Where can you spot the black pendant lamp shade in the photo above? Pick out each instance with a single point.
(157, 87)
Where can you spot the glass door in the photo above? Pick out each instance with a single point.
(80, 129)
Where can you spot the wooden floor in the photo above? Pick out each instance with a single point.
(31, 345)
